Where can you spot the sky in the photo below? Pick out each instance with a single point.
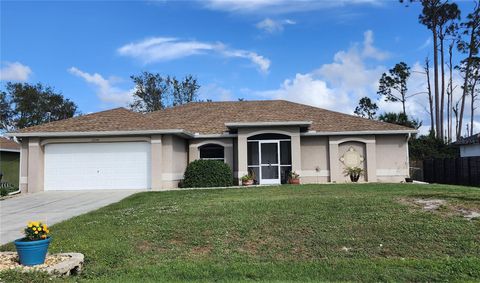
(323, 53)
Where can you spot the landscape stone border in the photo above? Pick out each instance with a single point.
(61, 264)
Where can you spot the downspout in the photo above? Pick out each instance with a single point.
(19, 175)
(408, 156)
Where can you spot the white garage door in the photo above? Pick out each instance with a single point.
(91, 166)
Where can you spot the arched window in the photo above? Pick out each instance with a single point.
(212, 152)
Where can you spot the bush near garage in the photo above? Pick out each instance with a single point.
(207, 173)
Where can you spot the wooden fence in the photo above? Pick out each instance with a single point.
(455, 171)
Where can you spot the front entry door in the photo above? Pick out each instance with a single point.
(269, 162)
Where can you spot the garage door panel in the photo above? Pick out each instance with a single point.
(89, 166)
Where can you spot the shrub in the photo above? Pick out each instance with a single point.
(207, 173)
(3, 192)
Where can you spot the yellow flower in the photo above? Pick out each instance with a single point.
(45, 227)
(44, 236)
(36, 232)
(30, 225)
(39, 228)
(34, 228)
(35, 223)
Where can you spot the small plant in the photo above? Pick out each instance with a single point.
(293, 175)
(354, 173)
(36, 230)
(247, 177)
(293, 178)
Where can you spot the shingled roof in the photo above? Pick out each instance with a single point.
(118, 119)
(9, 145)
(211, 117)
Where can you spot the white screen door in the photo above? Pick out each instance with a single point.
(269, 162)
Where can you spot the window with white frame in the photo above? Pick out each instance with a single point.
(212, 152)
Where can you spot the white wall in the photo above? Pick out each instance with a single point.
(470, 150)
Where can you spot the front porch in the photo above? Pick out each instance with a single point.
(269, 155)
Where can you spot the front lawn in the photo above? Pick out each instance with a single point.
(362, 232)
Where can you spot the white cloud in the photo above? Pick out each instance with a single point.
(273, 26)
(425, 44)
(158, 49)
(307, 89)
(164, 49)
(14, 71)
(215, 92)
(337, 85)
(279, 6)
(105, 89)
(352, 74)
(369, 50)
(418, 105)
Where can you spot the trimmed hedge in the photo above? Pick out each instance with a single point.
(207, 173)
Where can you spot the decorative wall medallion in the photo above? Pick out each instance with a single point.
(352, 158)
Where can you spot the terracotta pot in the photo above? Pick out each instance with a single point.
(247, 182)
(294, 181)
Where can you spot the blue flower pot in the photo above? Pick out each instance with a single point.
(32, 252)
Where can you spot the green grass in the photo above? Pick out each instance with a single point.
(287, 233)
(9, 166)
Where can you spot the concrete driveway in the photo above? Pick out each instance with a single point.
(51, 207)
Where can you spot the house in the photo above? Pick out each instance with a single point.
(121, 149)
(9, 161)
(469, 146)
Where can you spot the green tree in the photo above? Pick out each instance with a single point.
(154, 92)
(427, 147)
(400, 119)
(185, 91)
(30, 105)
(429, 18)
(470, 29)
(435, 16)
(393, 86)
(150, 92)
(448, 14)
(6, 113)
(472, 84)
(366, 108)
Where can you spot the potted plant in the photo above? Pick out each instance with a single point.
(247, 180)
(354, 173)
(293, 178)
(32, 249)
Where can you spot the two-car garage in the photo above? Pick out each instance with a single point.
(97, 166)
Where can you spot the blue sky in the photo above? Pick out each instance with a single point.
(327, 53)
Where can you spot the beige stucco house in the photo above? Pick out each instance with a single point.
(121, 149)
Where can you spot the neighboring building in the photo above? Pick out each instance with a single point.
(9, 161)
(121, 149)
(469, 146)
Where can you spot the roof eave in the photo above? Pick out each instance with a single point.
(179, 132)
(9, 150)
(314, 133)
(368, 132)
(234, 125)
